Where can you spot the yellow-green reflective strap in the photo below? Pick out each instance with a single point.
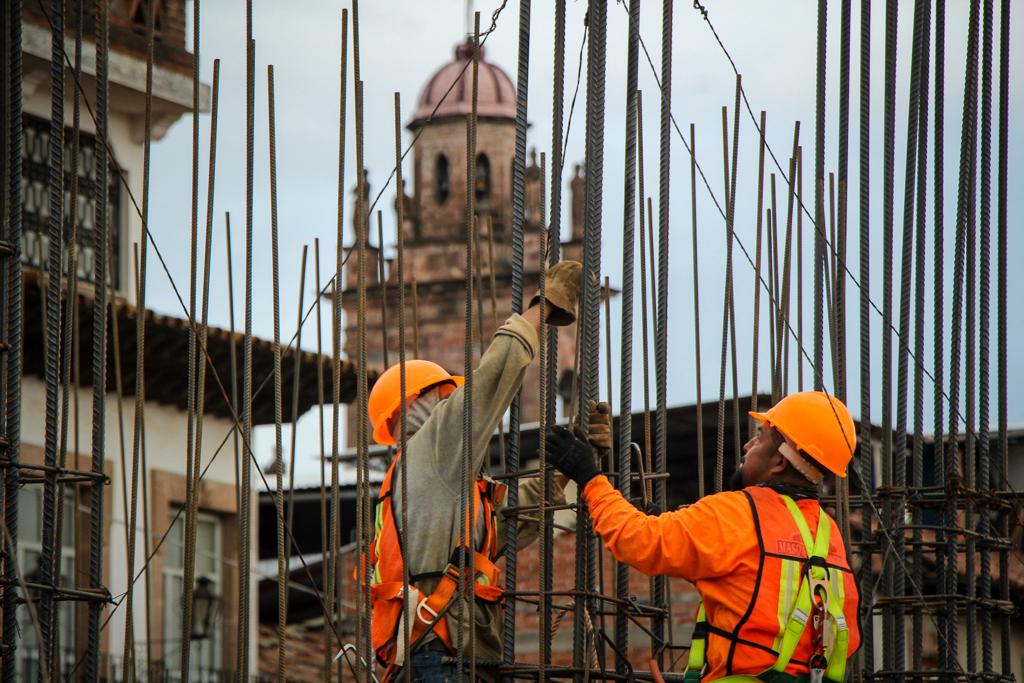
(816, 546)
(698, 646)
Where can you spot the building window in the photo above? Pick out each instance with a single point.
(30, 549)
(36, 191)
(205, 658)
(442, 183)
(483, 176)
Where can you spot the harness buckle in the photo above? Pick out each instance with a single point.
(422, 606)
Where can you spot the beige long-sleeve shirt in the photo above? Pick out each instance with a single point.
(435, 470)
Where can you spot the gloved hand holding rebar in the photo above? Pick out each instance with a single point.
(571, 456)
(599, 426)
(561, 292)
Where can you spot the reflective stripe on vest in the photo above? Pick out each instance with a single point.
(387, 587)
(794, 610)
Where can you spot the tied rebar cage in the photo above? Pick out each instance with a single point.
(929, 519)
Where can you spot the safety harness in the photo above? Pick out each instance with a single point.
(816, 604)
(387, 589)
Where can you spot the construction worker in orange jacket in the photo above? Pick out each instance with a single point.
(433, 544)
(779, 600)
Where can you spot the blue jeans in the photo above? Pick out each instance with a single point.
(432, 664)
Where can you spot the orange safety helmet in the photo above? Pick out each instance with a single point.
(385, 397)
(818, 424)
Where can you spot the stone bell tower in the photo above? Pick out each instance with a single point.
(435, 231)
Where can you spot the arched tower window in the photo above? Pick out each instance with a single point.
(442, 183)
(483, 176)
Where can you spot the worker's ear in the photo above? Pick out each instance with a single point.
(777, 464)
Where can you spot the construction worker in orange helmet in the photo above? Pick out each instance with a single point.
(779, 602)
(432, 545)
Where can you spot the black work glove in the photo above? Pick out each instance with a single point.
(571, 456)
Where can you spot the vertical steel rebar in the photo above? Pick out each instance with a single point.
(589, 320)
(762, 130)
(335, 577)
(866, 454)
(963, 226)
(49, 573)
(282, 546)
(191, 474)
(1001, 336)
(917, 517)
(549, 382)
(99, 340)
(917, 74)
(518, 224)
(245, 504)
(819, 198)
(626, 340)
(888, 181)
(984, 481)
(13, 327)
(701, 482)
(403, 472)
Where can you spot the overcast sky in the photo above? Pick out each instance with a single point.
(403, 43)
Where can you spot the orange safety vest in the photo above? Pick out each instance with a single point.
(387, 589)
(775, 622)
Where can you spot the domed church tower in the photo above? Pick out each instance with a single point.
(435, 230)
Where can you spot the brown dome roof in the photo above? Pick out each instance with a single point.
(496, 94)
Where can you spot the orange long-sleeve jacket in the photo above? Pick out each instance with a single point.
(736, 562)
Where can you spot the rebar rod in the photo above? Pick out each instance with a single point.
(552, 249)
(403, 471)
(512, 454)
(696, 313)
(245, 505)
(664, 190)
(13, 319)
(917, 517)
(1001, 336)
(140, 354)
(363, 519)
(282, 559)
(335, 575)
(296, 387)
(321, 399)
(984, 478)
(727, 301)
(800, 264)
(49, 573)
(191, 503)
(645, 311)
(918, 73)
(819, 199)
(626, 340)
(544, 634)
(589, 320)
(99, 340)
(140, 285)
(467, 570)
(71, 307)
(888, 181)
(842, 173)
(865, 577)
(757, 271)
(382, 282)
(963, 216)
(233, 349)
(733, 169)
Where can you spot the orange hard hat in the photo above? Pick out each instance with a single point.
(818, 424)
(385, 397)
